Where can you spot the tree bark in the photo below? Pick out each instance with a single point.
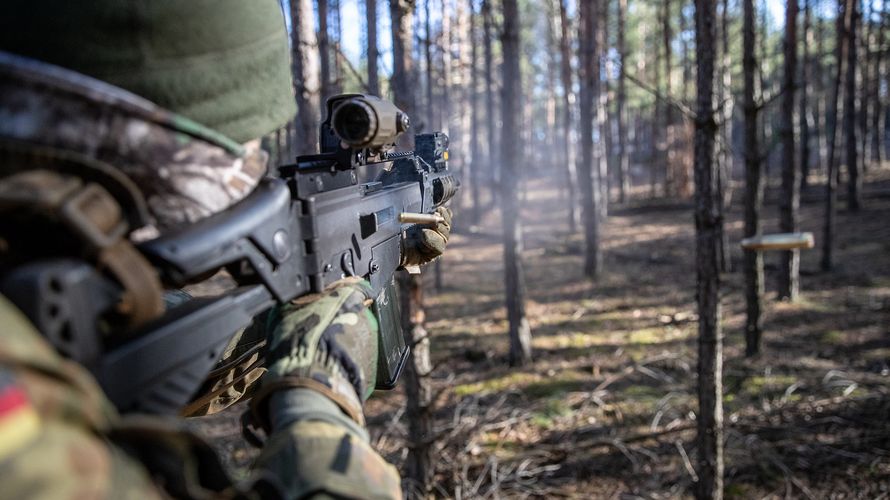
(571, 174)
(304, 56)
(804, 111)
(789, 202)
(854, 182)
(475, 163)
(588, 165)
(491, 125)
(520, 332)
(324, 50)
(724, 97)
(603, 116)
(669, 166)
(754, 287)
(371, 22)
(710, 340)
(420, 468)
(623, 163)
(879, 73)
(844, 20)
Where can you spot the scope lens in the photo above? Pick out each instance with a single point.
(352, 123)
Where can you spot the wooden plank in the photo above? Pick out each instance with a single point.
(781, 241)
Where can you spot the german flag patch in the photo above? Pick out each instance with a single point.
(19, 423)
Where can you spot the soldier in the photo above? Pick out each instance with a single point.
(221, 71)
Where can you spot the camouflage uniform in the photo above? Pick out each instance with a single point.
(59, 436)
(218, 65)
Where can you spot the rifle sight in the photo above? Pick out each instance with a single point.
(366, 121)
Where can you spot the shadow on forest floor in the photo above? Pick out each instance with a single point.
(608, 406)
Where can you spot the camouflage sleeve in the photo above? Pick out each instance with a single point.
(317, 451)
(52, 417)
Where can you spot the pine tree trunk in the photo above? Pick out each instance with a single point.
(571, 174)
(854, 182)
(669, 166)
(623, 164)
(588, 166)
(804, 112)
(520, 333)
(491, 125)
(789, 202)
(710, 335)
(724, 179)
(420, 467)
(844, 20)
(476, 164)
(604, 122)
(371, 23)
(324, 51)
(304, 55)
(880, 74)
(754, 285)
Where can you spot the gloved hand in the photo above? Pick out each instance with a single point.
(325, 342)
(424, 244)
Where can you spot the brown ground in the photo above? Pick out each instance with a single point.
(607, 410)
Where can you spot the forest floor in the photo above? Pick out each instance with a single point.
(607, 408)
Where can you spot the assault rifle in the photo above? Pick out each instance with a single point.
(312, 224)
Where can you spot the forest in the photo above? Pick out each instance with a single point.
(669, 272)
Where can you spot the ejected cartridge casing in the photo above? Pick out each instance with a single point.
(413, 218)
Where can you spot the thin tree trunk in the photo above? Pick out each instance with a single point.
(710, 334)
(789, 202)
(304, 56)
(571, 174)
(476, 164)
(428, 59)
(623, 164)
(493, 160)
(670, 177)
(371, 21)
(520, 333)
(602, 110)
(419, 466)
(724, 177)
(754, 287)
(588, 166)
(854, 182)
(804, 112)
(336, 50)
(880, 73)
(324, 50)
(844, 20)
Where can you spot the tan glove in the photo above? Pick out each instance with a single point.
(424, 244)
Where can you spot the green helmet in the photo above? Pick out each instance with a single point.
(222, 63)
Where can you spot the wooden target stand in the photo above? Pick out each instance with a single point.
(781, 241)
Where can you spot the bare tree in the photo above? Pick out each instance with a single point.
(474, 119)
(804, 112)
(789, 202)
(571, 175)
(324, 50)
(420, 466)
(724, 98)
(844, 22)
(622, 160)
(710, 333)
(854, 181)
(371, 26)
(520, 332)
(304, 56)
(754, 287)
(589, 164)
(491, 125)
